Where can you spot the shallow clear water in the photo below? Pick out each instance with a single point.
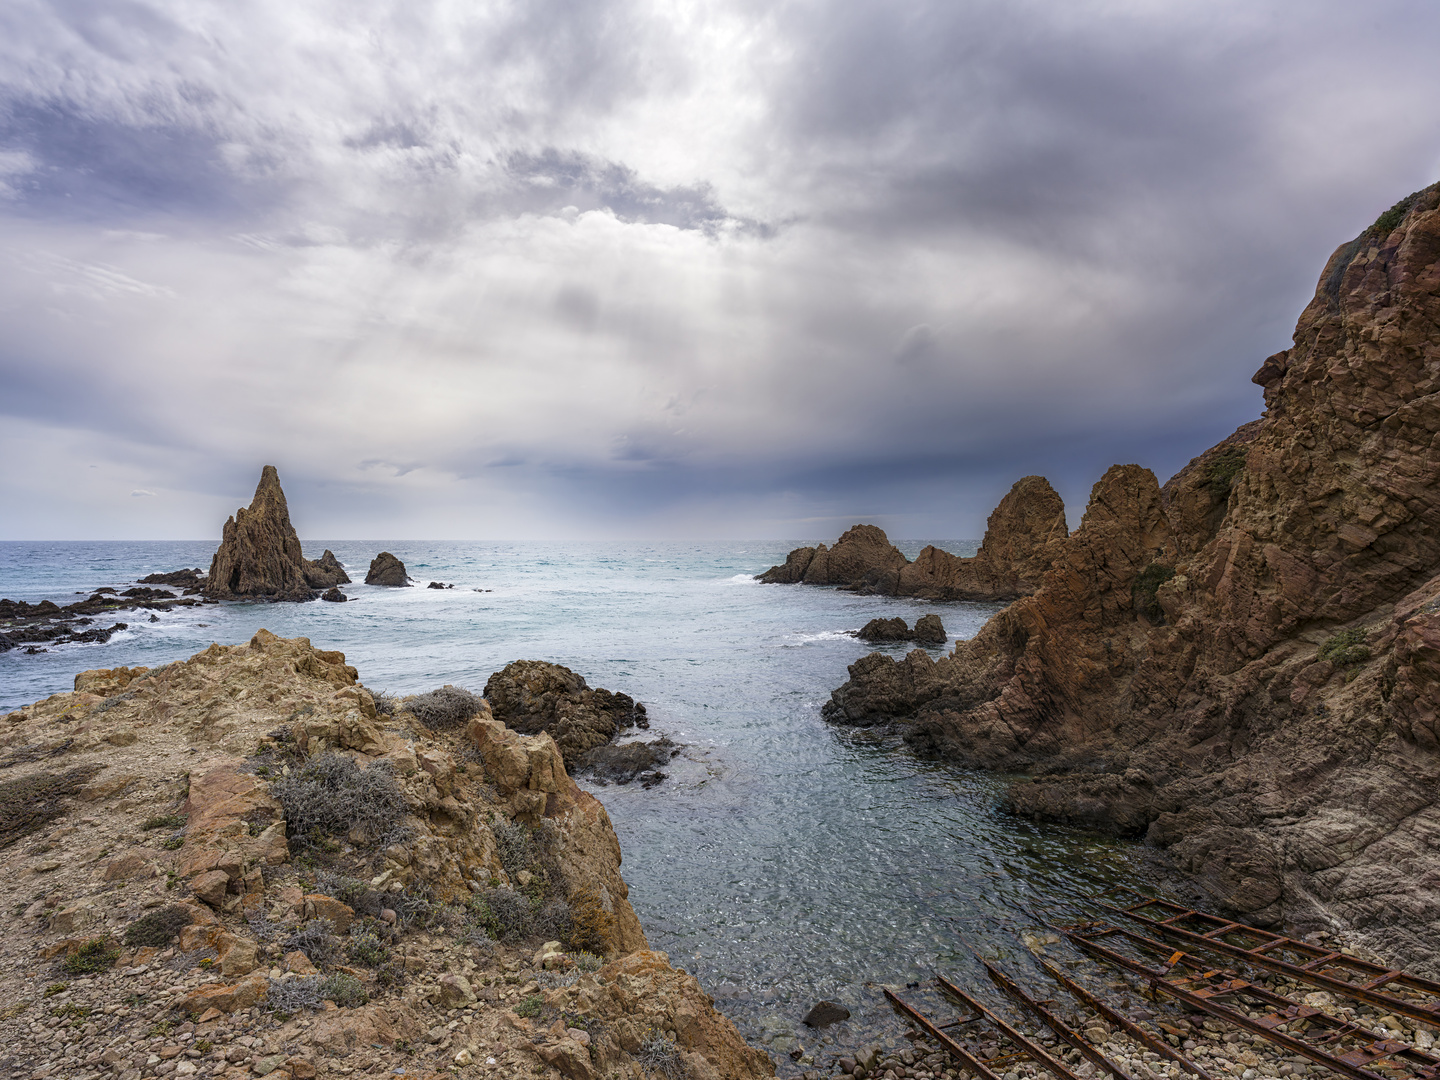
(784, 860)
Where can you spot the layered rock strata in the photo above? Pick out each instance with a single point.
(157, 878)
(1244, 667)
(1018, 548)
(259, 556)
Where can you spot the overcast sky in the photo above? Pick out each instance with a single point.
(600, 268)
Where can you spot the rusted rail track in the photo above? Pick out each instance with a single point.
(1037, 1053)
(958, 1052)
(1208, 984)
(1371, 990)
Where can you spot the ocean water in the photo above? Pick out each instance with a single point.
(784, 860)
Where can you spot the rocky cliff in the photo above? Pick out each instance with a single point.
(1017, 550)
(234, 865)
(1242, 667)
(259, 555)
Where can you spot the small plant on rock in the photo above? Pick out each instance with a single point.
(163, 821)
(316, 939)
(286, 997)
(659, 1055)
(97, 954)
(159, 927)
(593, 927)
(1346, 648)
(1147, 585)
(531, 1006)
(345, 990)
(366, 949)
(55, 988)
(504, 914)
(30, 802)
(1223, 469)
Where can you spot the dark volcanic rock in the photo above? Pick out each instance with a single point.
(863, 557)
(439, 585)
(259, 555)
(928, 630)
(1244, 668)
(825, 1013)
(175, 577)
(334, 595)
(325, 572)
(531, 696)
(386, 569)
(622, 763)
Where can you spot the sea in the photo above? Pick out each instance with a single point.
(784, 860)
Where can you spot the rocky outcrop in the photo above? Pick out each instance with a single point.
(1019, 546)
(532, 696)
(386, 569)
(863, 557)
(259, 555)
(928, 630)
(1241, 667)
(203, 917)
(325, 572)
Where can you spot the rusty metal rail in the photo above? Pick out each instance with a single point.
(1370, 991)
(1053, 1022)
(958, 1052)
(1037, 1053)
(1208, 984)
(1120, 1020)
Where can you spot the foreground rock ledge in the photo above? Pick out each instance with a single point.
(1244, 666)
(155, 797)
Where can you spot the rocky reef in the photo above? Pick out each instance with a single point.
(236, 866)
(928, 630)
(259, 556)
(1019, 546)
(1244, 665)
(386, 569)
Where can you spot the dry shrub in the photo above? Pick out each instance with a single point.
(332, 796)
(448, 707)
(159, 927)
(31, 802)
(592, 927)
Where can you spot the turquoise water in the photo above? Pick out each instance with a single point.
(784, 860)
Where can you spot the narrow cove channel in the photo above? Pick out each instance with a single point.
(784, 860)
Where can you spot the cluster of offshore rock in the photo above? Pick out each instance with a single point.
(1019, 547)
(259, 557)
(236, 866)
(1244, 665)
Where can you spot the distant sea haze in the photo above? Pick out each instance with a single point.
(784, 860)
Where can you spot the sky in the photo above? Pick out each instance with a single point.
(617, 269)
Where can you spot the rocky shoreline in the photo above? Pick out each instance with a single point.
(1241, 666)
(236, 866)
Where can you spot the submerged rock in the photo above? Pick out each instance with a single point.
(624, 763)
(259, 554)
(825, 1013)
(386, 569)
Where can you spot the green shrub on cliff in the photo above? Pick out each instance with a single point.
(1147, 583)
(1386, 222)
(1346, 648)
(1222, 470)
(97, 954)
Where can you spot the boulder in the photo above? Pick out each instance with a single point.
(211, 887)
(862, 559)
(386, 569)
(928, 630)
(325, 572)
(531, 696)
(825, 1013)
(259, 554)
(334, 595)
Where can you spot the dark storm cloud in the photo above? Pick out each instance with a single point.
(581, 266)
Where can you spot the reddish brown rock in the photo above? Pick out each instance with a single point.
(1245, 668)
(531, 696)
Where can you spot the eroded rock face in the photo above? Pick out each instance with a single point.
(928, 630)
(862, 558)
(259, 555)
(1243, 667)
(386, 569)
(532, 696)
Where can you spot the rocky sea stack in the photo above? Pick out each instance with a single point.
(386, 569)
(1244, 666)
(1019, 547)
(259, 555)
